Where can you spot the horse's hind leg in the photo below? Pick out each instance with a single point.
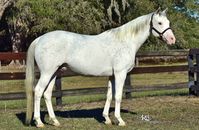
(119, 82)
(39, 89)
(47, 96)
(108, 101)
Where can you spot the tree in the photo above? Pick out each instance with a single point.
(115, 9)
(180, 3)
(3, 5)
(28, 19)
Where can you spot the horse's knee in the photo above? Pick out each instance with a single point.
(38, 93)
(118, 98)
(47, 95)
(109, 97)
(41, 85)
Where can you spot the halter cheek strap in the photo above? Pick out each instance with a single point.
(160, 33)
(152, 28)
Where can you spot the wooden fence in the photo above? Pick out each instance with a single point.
(193, 62)
(58, 93)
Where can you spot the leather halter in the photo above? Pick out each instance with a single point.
(152, 28)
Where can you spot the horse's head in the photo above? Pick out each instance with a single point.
(160, 27)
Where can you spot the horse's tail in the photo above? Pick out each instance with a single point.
(29, 81)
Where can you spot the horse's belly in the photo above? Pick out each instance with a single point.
(97, 65)
(91, 69)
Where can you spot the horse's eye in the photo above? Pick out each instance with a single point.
(159, 23)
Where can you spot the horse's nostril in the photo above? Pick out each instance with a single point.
(172, 38)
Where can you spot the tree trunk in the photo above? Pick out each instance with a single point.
(14, 29)
(3, 5)
(114, 9)
(17, 35)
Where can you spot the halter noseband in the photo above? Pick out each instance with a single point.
(152, 28)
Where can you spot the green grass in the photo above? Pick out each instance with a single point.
(84, 112)
(166, 113)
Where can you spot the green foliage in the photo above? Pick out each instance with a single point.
(89, 17)
(41, 16)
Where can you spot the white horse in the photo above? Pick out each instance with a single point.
(111, 53)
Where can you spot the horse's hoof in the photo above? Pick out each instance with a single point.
(122, 124)
(108, 122)
(40, 126)
(57, 124)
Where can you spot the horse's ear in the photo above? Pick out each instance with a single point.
(164, 12)
(158, 11)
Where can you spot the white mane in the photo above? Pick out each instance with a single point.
(132, 28)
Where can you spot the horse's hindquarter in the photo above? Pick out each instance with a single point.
(52, 49)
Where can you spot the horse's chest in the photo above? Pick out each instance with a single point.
(124, 59)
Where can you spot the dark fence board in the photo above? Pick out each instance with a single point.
(22, 55)
(139, 70)
(12, 75)
(68, 73)
(193, 51)
(12, 96)
(12, 56)
(99, 90)
(159, 69)
(163, 53)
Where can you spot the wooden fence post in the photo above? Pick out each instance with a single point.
(197, 74)
(193, 60)
(128, 87)
(58, 90)
(191, 74)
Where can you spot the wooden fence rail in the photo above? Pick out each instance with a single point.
(98, 90)
(58, 93)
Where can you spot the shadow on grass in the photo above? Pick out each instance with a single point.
(83, 113)
(88, 113)
(22, 117)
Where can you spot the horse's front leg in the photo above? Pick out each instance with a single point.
(119, 80)
(108, 100)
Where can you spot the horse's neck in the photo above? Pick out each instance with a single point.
(134, 32)
(139, 40)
